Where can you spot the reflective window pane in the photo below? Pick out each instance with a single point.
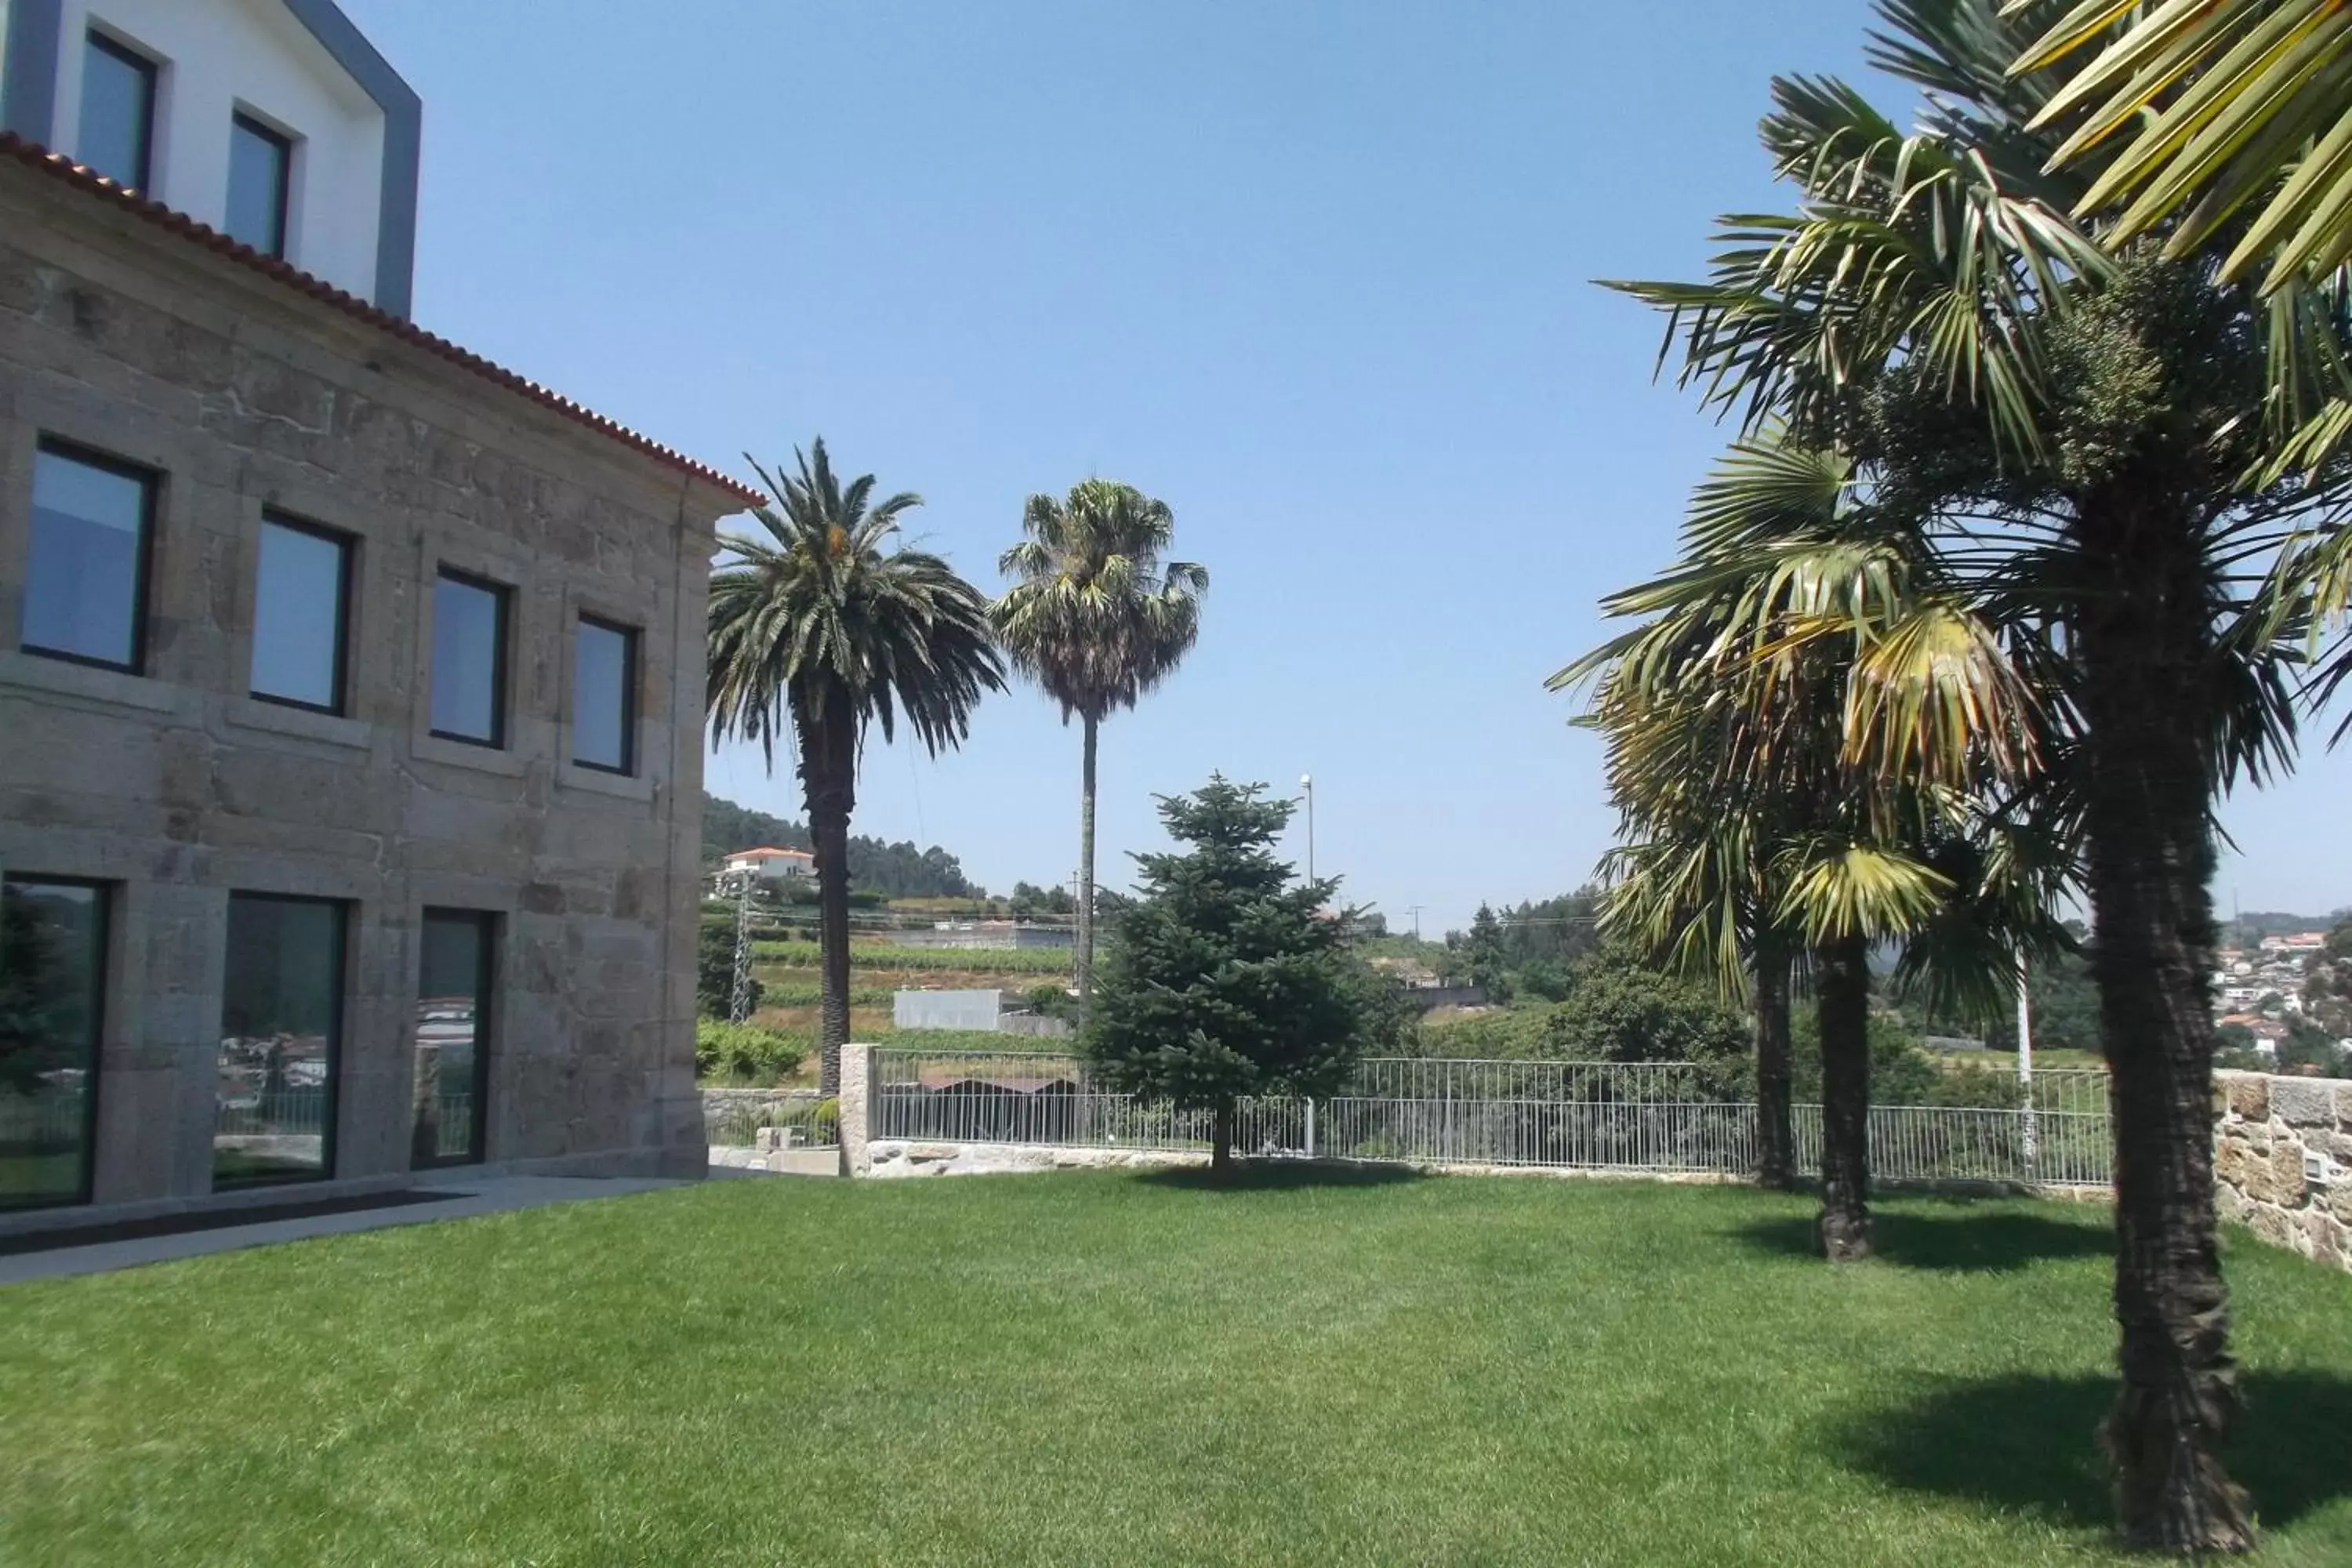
(469, 636)
(281, 1020)
(52, 974)
(118, 112)
(85, 574)
(299, 604)
(259, 161)
(453, 1039)
(604, 697)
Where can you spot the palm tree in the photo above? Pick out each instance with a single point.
(1096, 619)
(2072, 431)
(1758, 818)
(820, 629)
(2204, 110)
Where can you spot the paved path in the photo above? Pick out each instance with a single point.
(493, 1195)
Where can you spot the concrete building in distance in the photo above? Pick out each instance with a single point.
(351, 685)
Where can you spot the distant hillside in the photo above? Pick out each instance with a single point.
(2255, 925)
(894, 870)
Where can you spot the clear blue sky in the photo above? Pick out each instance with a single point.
(1316, 274)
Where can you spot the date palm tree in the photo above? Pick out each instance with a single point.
(2074, 430)
(822, 629)
(1096, 619)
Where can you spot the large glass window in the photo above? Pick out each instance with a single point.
(604, 697)
(86, 574)
(453, 1037)
(300, 601)
(281, 1027)
(469, 661)
(52, 977)
(260, 173)
(118, 112)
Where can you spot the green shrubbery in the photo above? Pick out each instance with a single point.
(745, 1053)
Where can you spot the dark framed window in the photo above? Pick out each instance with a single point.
(86, 571)
(301, 615)
(604, 697)
(260, 178)
(452, 1084)
(118, 112)
(53, 940)
(281, 1039)
(470, 659)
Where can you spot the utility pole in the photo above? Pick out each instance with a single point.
(738, 1004)
(1414, 911)
(1306, 783)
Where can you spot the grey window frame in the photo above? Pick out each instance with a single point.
(632, 639)
(504, 593)
(283, 198)
(349, 545)
(151, 72)
(150, 483)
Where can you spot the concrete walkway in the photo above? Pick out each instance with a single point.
(494, 1194)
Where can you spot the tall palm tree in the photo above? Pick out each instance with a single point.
(1096, 619)
(2074, 430)
(818, 630)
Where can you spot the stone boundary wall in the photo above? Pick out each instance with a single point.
(726, 1108)
(2283, 1160)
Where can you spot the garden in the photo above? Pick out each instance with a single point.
(1094, 1368)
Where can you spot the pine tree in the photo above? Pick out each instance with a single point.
(1227, 979)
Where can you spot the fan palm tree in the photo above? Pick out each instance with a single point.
(2205, 112)
(1747, 722)
(1096, 619)
(821, 629)
(2073, 431)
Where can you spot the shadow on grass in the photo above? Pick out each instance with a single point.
(1958, 1241)
(2029, 1443)
(1263, 1175)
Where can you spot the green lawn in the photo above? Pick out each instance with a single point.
(1106, 1369)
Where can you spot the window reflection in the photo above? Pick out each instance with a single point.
(282, 1023)
(453, 1039)
(52, 972)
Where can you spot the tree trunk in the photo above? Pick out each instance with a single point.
(829, 780)
(1841, 1005)
(1775, 1137)
(2145, 644)
(1221, 1144)
(1085, 954)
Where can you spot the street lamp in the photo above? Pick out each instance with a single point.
(1306, 783)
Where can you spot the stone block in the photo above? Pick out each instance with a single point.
(2325, 1239)
(2230, 1204)
(2287, 1178)
(2275, 1225)
(2303, 1101)
(2249, 1096)
(2344, 1106)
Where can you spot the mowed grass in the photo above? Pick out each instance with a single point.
(1116, 1369)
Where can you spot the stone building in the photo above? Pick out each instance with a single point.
(349, 685)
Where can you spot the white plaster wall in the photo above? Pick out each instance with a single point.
(223, 56)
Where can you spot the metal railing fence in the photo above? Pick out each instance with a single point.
(1669, 1117)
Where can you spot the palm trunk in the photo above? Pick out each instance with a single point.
(1776, 1137)
(829, 779)
(2145, 644)
(1841, 1005)
(1085, 954)
(1221, 1144)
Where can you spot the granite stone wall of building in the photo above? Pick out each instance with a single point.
(245, 396)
